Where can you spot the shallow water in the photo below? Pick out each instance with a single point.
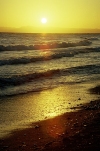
(19, 111)
(37, 83)
(31, 62)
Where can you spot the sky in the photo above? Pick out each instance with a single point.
(61, 15)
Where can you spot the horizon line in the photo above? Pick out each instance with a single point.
(49, 32)
(31, 29)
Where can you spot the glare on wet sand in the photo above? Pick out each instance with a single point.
(18, 111)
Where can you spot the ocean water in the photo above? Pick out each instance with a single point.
(33, 62)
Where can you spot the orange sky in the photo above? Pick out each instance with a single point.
(62, 15)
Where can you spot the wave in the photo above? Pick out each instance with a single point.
(22, 79)
(53, 45)
(92, 38)
(25, 60)
(55, 55)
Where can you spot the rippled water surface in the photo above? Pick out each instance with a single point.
(44, 75)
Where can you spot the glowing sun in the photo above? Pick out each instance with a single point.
(44, 20)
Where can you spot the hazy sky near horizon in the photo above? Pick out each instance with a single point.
(59, 13)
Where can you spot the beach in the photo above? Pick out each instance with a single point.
(78, 129)
(49, 92)
(50, 75)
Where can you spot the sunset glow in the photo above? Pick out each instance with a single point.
(63, 16)
(44, 20)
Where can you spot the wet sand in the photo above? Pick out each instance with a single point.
(72, 131)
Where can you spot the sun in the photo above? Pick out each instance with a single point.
(44, 20)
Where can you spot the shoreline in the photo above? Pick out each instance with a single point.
(18, 112)
(72, 131)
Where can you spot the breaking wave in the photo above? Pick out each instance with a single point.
(92, 38)
(22, 79)
(85, 42)
(35, 62)
(55, 55)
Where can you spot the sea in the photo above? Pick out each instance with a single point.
(31, 63)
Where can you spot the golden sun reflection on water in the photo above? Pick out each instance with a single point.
(47, 54)
(29, 108)
(56, 102)
(53, 102)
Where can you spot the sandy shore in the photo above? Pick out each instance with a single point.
(72, 131)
